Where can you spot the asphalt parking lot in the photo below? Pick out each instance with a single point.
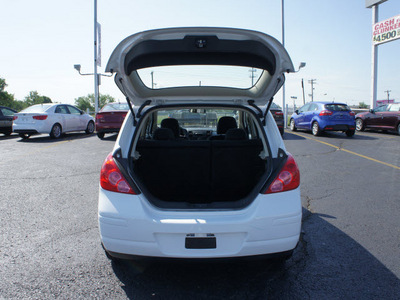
(350, 246)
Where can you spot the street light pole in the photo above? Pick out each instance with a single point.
(283, 87)
(96, 77)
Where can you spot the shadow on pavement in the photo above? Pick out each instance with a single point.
(8, 137)
(290, 136)
(330, 135)
(42, 138)
(327, 264)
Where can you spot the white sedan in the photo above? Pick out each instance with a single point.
(53, 119)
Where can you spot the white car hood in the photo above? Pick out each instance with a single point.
(199, 46)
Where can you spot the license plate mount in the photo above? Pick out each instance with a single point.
(196, 242)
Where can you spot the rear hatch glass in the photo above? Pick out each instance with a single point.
(339, 111)
(39, 108)
(205, 75)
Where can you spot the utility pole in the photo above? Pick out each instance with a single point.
(388, 93)
(252, 75)
(312, 82)
(302, 87)
(152, 79)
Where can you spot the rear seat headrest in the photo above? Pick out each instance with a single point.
(225, 123)
(236, 134)
(172, 124)
(163, 134)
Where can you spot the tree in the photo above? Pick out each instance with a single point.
(7, 99)
(87, 102)
(362, 105)
(35, 98)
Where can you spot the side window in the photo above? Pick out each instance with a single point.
(304, 108)
(7, 112)
(313, 107)
(61, 109)
(74, 110)
(381, 108)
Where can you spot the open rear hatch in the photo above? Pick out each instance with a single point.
(200, 47)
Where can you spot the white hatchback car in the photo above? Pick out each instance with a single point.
(199, 169)
(53, 119)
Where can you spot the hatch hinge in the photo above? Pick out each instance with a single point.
(251, 103)
(144, 104)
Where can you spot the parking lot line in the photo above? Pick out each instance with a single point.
(348, 151)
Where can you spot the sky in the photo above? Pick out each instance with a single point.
(40, 41)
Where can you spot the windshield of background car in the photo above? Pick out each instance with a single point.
(38, 108)
(196, 118)
(115, 106)
(337, 107)
(199, 75)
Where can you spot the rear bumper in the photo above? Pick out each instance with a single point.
(26, 131)
(337, 125)
(342, 127)
(107, 129)
(129, 225)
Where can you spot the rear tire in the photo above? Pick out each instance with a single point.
(316, 131)
(398, 129)
(282, 131)
(360, 125)
(350, 133)
(292, 125)
(56, 131)
(24, 136)
(100, 135)
(90, 127)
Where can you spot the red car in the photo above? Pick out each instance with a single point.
(277, 113)
(385, 117)
(109, 119)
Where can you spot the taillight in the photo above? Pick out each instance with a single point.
(111, 178)
(15, 117)
(40, 117)
(287, 179)
(98, 117)
(352, 113)
(325, 113)
(278, 113)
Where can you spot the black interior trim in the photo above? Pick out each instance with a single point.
(200, 50)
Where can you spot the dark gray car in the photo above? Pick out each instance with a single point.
(6, 119)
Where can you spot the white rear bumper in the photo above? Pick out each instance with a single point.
(130, 225)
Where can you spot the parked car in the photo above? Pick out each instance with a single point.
(385, 117)
(226, 190)
(6, 119)
(53, 119)
(277, 113)
(110, 118)
(324, 116)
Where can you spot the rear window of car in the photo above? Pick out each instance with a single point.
(37, 108)
(199, 75)
(337, 107)
(394, 107)
(197, 118)
(115, 106)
